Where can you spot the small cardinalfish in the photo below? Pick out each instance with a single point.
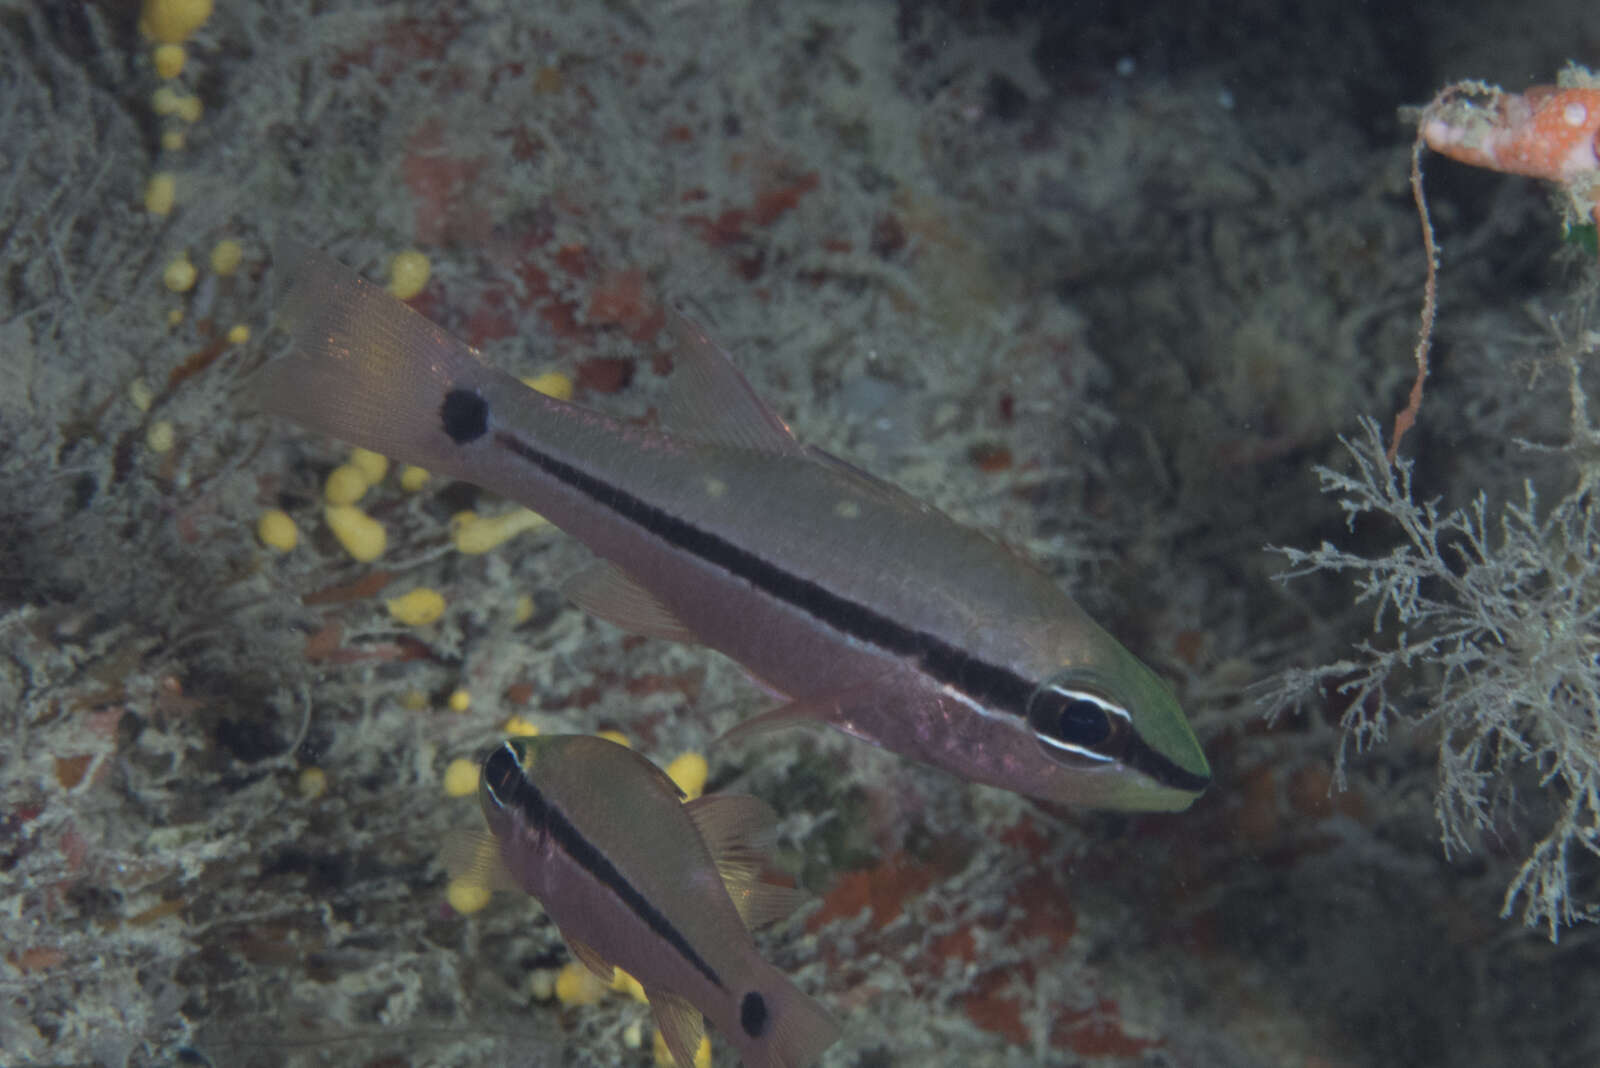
(862, 607)
(662, 889)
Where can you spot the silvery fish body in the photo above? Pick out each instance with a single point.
(867, 609)
(635, 879)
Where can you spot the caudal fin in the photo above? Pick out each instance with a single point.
(366, 368)
(796, 1028)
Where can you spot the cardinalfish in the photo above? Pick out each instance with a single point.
(635, 879)
(862, 607)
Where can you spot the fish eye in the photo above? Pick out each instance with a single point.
(502, 772)
(1077, 722)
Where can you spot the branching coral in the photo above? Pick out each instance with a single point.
(1491, 611)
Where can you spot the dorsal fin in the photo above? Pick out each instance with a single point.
(645, 765)
(868, 483)
(709, 400)
(735, 827)
(730, 821)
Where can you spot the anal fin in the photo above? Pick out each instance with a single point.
(680, 1023)
(590, 958)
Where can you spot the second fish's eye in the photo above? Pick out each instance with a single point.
(1072, 719)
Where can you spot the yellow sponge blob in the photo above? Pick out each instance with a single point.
(277, 531)
(140, 395)
(413, 478)
(465, 896)
(615, 736)
(165, 100)
(689, 771)
(361, 535)
(408, 273)
(173, 21)
(460, 778)
(226, 257)
(188, 109)
(180, 274)
(160, 193)
(161, 436)
(522, 609)
(518, 727)
(623, 983)
(169, 59)
(459, 700)
(345, 485)
(312, 783)
(373, 465)
(473, 534)
(418, 608)
(551, 384)
(577, 985)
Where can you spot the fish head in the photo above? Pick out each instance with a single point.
(503, 778)
(1111, 735)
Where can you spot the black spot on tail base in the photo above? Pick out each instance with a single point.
(753, 1014)
(464, 415)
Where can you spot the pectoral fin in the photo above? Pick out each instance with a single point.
(794, 714)
(474, 857)
(843, 709)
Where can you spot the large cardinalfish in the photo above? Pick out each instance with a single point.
(663, 890)
(863, 607)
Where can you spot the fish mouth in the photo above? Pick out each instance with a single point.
(1142, 780)
(1150, 762)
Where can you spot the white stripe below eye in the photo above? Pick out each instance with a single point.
(1087, 754)
(1110, 709)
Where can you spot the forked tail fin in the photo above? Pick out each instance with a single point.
(798, 1029)
(366, 368)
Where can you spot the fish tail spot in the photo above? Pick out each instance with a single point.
(464, 415)
(753, 1014)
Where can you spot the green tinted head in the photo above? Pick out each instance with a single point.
(1121, 731)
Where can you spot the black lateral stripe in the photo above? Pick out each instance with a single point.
(987, 684)
(540, 813)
